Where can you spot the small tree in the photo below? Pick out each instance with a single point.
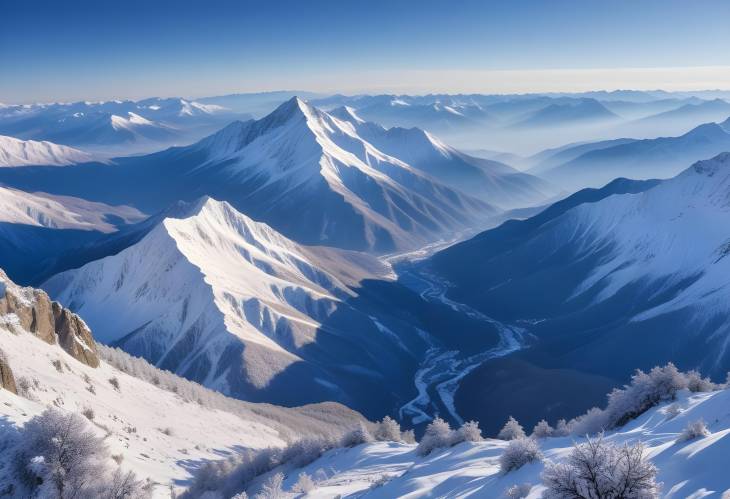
(359, 435)
(408, 436)
(519, 452)
(272, 488)
(561, 429)
(511, 430)
(470, 432)
(694, 429)
(542, 430)
(62, 454)
(438, 434)
(388, 430)
(304, 484)
(597, 469)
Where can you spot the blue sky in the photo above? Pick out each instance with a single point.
(72, 50)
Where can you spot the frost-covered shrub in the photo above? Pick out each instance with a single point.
(59, 456)
(358, 435)
(408, 436)
(304, 484)
(382, 480)
(561, 429)
(438, 435)
(696, 383)
(114, 381)
(598, 469)
(518, 491)
(519, 452)
(469, 432)
(694, 429)
(272, 488)
(673, 411)
(388, 430)
(645, 391)
(511, 430)
(542, 430)
(231, 476)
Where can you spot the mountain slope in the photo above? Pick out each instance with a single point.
(631, 280)
(492, 181)
(228, 302)
(300, 170)
(649, 158)
(37, 228)
(15, 152)
(134, 416)
(568, 114)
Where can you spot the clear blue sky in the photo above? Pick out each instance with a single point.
(102, 49)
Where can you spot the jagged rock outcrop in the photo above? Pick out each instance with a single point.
(33, 311)
(7, 380)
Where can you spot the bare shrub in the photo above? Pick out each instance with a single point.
(438, 435)
(694, 429)
(114, 381)
(519, 452)
(599, 469)
(511, 430)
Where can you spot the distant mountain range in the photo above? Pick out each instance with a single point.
(630, 275)
(595, 164)
(314, 177)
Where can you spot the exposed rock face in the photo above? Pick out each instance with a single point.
(7, 380)
(33, 311)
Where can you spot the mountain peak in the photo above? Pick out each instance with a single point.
(709, 167)
(346, 113)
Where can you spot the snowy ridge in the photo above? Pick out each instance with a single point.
(58, 212)
(133, 415)
(219, 298)
(16, 152)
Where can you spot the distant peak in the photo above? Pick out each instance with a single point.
(346, 113)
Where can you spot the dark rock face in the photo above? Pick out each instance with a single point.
(7, 380)
(48, 320)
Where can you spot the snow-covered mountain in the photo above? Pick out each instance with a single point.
(35, 228)
(229, 302)
(580, 111)
(304, 172)
(115, 126)
(496, 182)
(15, 152)
(129, 403)
(605, 282)
(593, 165)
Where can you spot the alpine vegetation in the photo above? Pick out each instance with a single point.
(58, 456)
(511, 430)
(600, 469)
(519, 452)
(694, 429)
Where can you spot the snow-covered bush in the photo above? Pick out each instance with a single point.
(388, 430)
(59, 456)
(358, 435)
(542, 430)
(519, 452)
(231, 476)
(469, 432)
(561, 429)
(696, 383)
(598, 469)
(304, 484)
(645, 391)
(673, 411)
(511, 430)
(272, 488)
(694, 429)
(408, 436)
(518, 491)
(382, 480)
(438, 435)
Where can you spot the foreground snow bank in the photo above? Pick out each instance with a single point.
(694, 468)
